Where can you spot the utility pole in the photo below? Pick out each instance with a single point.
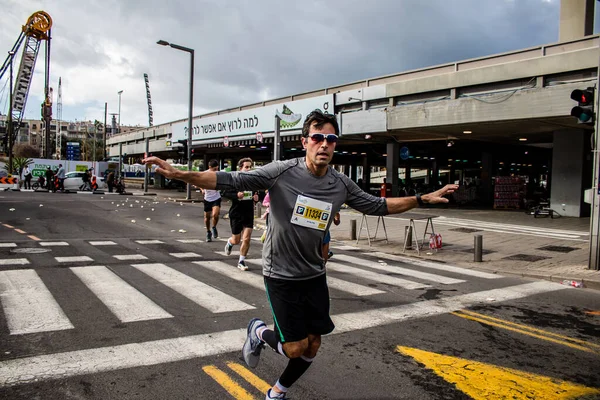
(594, 256)
(9, 128)
(104, 130)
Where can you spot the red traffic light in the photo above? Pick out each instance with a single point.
(583, 97)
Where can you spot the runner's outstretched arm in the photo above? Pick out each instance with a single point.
(204, 180)
(397, 205)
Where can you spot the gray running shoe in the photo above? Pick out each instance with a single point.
(272, 395)
(208, 236)
(228, 248)
(215, 233)
(242, 265)
(253, 345)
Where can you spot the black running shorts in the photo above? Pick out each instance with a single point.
(238, 223)
(208, 205)
(299, 307)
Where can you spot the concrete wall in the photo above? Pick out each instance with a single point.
(576, 19)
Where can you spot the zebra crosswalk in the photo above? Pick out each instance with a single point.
(108, 275)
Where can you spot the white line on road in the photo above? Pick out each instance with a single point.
(149, 241)
(338, 284)
(399, 270)
(125, 302)
(344, 247)
(200, 293)
(8, 245)
(49, 244)
(434, 265)
(73, 259)
(376, 277)
(189, 240)
(185, 255)
(14, 261)
(103, 243)
(91, 361)
(28, 304)
(130, 257)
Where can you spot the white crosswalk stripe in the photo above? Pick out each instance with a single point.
(398, 270)
(28, 304)
(72, 259)
(185, 255)
(124, 301)
(149, 241)
(510, 228)
(51, 244)
(434, 265)
(258, 282)
(200, 293)
(8, 245)
(102, 243)
(14, 261)
(376, 277)
(189, 240)
(130, 257)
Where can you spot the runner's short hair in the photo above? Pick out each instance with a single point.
(244, 160)
(213, 163)
(320, 119)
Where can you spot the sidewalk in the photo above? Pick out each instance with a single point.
(514, 243)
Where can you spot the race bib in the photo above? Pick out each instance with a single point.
(247, 195)
(311, 213)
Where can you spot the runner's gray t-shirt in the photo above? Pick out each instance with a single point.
(292, 251)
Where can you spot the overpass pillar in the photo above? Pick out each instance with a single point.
(487, 171)
(347, 171)
(353, 171)
(576, 19)
(570, 173)
(366, 173)
(391, 164)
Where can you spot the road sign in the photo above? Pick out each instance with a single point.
(404, 153)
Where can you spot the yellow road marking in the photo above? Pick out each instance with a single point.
(227, 383)
(20, 231)
(8, 226)
(32, 237)
(490, 382)
(527, 330)
(593, 312)
(249, 377)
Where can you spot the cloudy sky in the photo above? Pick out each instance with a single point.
(253, 50)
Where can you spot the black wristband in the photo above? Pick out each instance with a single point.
(419, 200)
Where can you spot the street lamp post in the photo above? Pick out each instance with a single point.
(119, 93)
(191, 107)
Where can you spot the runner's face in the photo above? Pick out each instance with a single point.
(246, 167)
(319, 154)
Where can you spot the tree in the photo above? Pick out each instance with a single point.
(26, 150)
(18, 163)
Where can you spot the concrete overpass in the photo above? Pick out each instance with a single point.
(495, 99)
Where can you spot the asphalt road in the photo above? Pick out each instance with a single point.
(119, 297)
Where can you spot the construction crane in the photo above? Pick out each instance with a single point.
(149, 99)
(33, 33)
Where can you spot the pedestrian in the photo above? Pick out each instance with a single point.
(212, 206)
(241, 216)
(27, 173)
(327, 254)
(60, 174)
(50, 178)
(110, 180)
(305, 193)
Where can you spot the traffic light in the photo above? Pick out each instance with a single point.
(584, 111)
(183, 150)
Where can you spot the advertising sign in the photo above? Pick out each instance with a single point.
(261, 119)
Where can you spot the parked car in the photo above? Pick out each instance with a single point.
(74, 181)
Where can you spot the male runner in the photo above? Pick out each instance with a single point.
(212, 206)
(305, 194)
(241, 217)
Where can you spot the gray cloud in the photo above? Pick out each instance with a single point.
(248, 49)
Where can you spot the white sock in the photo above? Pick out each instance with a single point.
(260, 331)
(229, 243)
(242, 258)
